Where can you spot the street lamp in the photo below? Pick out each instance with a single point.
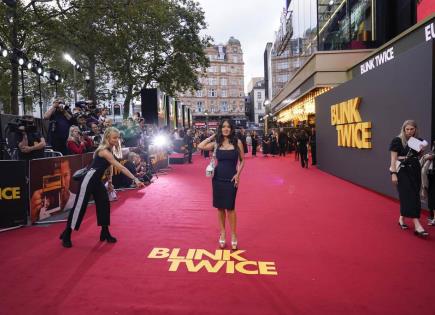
(75, 65)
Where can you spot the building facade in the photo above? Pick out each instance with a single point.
(257, 98)
(319, 40)
(222, 93)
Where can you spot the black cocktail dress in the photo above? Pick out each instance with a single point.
(224, 192)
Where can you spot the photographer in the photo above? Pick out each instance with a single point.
(60, 121)
(77, 142)
(31, 144)
(81, 123)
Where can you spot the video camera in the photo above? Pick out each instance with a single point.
(22, 124)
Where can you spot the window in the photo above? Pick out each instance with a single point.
(241, 94)
(223, 69)
(199, 107)
(224, 93)
(259, 96)
(282, 65)
(259, 105)
(198, 93)
(282, 78)
(211, 69)
(224, 81)
(212, 93)
(212, 81)
(224, 106)
(235, 59)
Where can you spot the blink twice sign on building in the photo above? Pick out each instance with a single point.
(352, 132)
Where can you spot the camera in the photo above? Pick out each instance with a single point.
(22, 124)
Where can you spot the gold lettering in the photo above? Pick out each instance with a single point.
(267, 268)
(235, 255)
(175, 263)
(240, 267)
(204, 264)
(347, 135)
(356, 136)
(334, 118)
(339, 135)
(202, 252)
(9, 193)
(230, 266)
(354, 109)
(366, 135)
(174, 254)
(159, 253)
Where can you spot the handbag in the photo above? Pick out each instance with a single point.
(209, 170)
(80, 174)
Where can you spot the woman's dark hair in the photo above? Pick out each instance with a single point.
(232, 137)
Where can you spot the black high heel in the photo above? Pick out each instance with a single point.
(106, 236)
(66, 238)
(421, 233)
(403, 226)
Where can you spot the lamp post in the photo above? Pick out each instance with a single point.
(75, 66)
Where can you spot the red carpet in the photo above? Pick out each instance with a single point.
(337, 250)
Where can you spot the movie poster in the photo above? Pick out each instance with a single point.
(13, 194)
(52, 189)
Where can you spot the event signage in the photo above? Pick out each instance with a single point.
(378, 60)
(429, 32)
(195, 260)
(420, 34)
(13, 194)
(352, 132)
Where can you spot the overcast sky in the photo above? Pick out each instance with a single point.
(253, 22)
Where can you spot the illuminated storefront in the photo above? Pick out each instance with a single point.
(302, 110)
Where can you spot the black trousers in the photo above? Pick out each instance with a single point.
(282, 149)
(90, 185)
(304, 156)
(190, 155)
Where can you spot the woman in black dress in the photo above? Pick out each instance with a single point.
(229, 151)
(91, 184)
(407, 176)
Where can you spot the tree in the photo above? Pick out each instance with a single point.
(154, 41)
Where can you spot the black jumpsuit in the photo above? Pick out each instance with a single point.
(92, 184)
(409, 180)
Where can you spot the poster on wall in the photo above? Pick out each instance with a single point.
(52, 189)
(13, 194)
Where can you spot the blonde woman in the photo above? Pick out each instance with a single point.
(407, 176)
(92, 185)
(76, 143)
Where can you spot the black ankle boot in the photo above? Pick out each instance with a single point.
(66, 238)
(105, 235)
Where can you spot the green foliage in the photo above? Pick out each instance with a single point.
(138, 43)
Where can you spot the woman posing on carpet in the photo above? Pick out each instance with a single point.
(407, 176)
(92, 184)
(229, 151)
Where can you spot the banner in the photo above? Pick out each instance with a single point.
(52, 189)
(13, 194)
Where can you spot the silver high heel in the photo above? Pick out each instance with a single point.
(233, 243)
(222, 241)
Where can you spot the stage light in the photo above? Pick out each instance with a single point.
(29, 65)
(160, 141)
(20, 61)
(39, 70)
(5, 53)
(56, 77)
